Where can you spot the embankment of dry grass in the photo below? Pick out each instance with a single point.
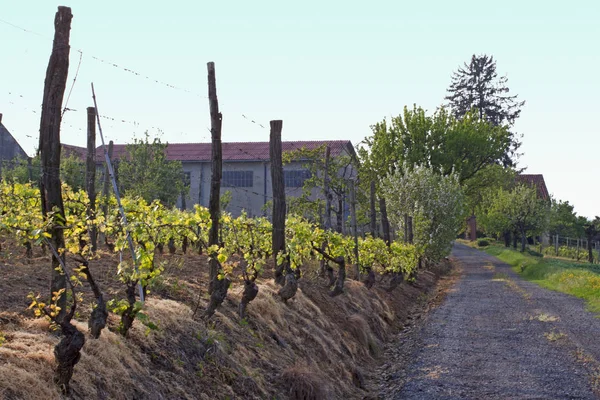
(313, 347)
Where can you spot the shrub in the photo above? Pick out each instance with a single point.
(483, 242)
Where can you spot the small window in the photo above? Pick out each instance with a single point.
(238, 179)
(295, 178)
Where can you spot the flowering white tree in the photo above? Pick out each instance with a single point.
(434, 201)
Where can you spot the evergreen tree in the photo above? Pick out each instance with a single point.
(476, 86)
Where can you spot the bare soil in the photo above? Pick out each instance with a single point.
(495, 336)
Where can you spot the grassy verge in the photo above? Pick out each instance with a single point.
(577, 279)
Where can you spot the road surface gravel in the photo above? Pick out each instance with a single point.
(496, 336)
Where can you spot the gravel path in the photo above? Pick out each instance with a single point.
(496, 337)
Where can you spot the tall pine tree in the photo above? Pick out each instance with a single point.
(476, 85)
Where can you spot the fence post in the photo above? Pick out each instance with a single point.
(556, 244)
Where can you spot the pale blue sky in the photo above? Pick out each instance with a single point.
(329, 69)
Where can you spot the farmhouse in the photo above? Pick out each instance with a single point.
(9, 147)
(536, 180)
(246, 170)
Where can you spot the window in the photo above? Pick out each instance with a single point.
(295, 178)
(238, 179)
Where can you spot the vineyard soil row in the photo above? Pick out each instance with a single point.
(329, 344)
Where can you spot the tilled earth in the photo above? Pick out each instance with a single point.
(496, 336)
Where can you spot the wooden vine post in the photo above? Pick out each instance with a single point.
(373, 212)
(105, 188)
(385, 223)
(67, 351)
(90, 173)
(49, 147)
(283, 271)
(218, 284)
(354, 228)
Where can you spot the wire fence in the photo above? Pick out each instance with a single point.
(573, 248)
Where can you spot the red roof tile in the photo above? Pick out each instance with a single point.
(68, 150)
(233, 151)
(538, 181)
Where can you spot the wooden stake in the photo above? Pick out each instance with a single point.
(326, 189)
(90, 172)
(385, 223)
(278, 186)
(217, 287)
(49, 146)
(106, 187)
(354, 228)
(373, 212)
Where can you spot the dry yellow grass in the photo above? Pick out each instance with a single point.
(324, 343)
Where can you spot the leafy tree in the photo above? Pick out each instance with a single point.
(72, 171)
(476, 86)
(19, 171)
(147, 173)
(563, 220)
(467, 147)
(518, 210)
(439, 141)
(339, 169)
(435, 202)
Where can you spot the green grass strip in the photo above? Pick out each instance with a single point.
(577, 279)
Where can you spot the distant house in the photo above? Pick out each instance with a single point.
(537, 181)
(246, 170)
(9, 147)
(533, 180)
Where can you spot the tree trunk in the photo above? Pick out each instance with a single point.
(373, 211)
(506, 239)
(49, 146)
(410, 230)
(217, 287)
(90, 173)
(97, 320)
(385, 223)
(338, 286)
(340, 215)
(249, 294)
(590, 252)
(523, 240)
(515, 239)
(128, 315)
(67, 353)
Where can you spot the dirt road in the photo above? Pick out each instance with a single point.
(496, 337)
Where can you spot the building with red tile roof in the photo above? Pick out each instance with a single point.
(536, 180)
(246, 169)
